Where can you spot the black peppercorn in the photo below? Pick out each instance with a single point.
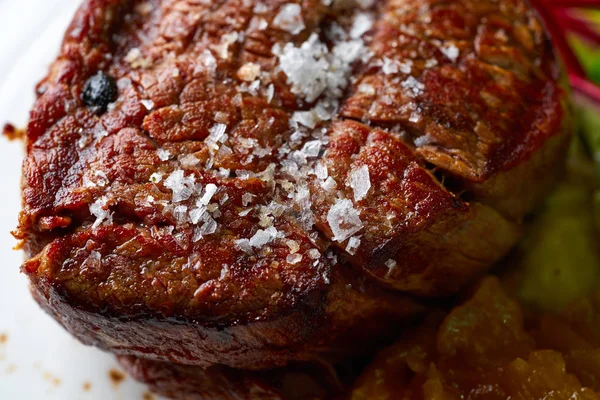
(99, 91)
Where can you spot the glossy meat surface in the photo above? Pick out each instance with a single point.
(250, 194)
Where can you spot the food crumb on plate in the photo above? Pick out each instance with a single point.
(116, 376)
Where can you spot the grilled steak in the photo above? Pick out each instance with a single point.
(249, 183)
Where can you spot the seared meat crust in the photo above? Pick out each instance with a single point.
(278, 180)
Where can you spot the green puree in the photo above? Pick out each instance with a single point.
(559, 258)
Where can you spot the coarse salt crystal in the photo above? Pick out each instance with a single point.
(156, 177)
(216, 134)
(362, 23)
(270, 92)
(422, 140)
(189, 160)
(262, 24)
(314, 254)
(360, 182)
(209, 227)
(99, 210)
(181, 214)
(329, 184)
(148, 104)
(366, 89)
(182, 186)
(432, 62)
(253, 87)
(391, 265)
(248, 72)
(209, 192)
(450, 51)
(263, 237)
(305, 118)
(321, 171)
(293, 245)
(343, 220)
(243, 245)
(353, 245)
(163, 154)
(414, 117)
(208, 61)
(289, 19)
(312, 69)
(390, 66)
(312, 148)
(413, 87)
(293, 258)
(227, 40)
(135, 59)
(101, 178)
(247, 199)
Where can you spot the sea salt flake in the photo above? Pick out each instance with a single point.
(353, 245)
(391, 265)
(413, 87)
(270, 92)
(362, 23)
(314, 254)
(148, 104)
(182, 186)
(289, 19)
(432, 62)
(321, 171)
(135, 59)
(209, 227)
(245, 212)
(329, 184)
(101, 178)
(249, 72)
(344, 220)
(253, 87)
(197, 213)
(207, 61)
(181, 214)
(360, 182)
(423, 140)
(262, 24)
(305, 118)
(216, 134)
(293, 246)
(163, 154)
(156, 177)
(209, 192)
(312, 148)
(366, 89)
(306, 67)
(100, 211)
(227, 40)
(263, 237)
(450, 51)
(247, 199)
(189, 160)
(293, 258)
(415, 117)
(243, 245)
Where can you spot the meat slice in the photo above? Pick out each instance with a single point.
(230, 182)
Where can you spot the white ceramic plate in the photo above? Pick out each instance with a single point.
(38, 359)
